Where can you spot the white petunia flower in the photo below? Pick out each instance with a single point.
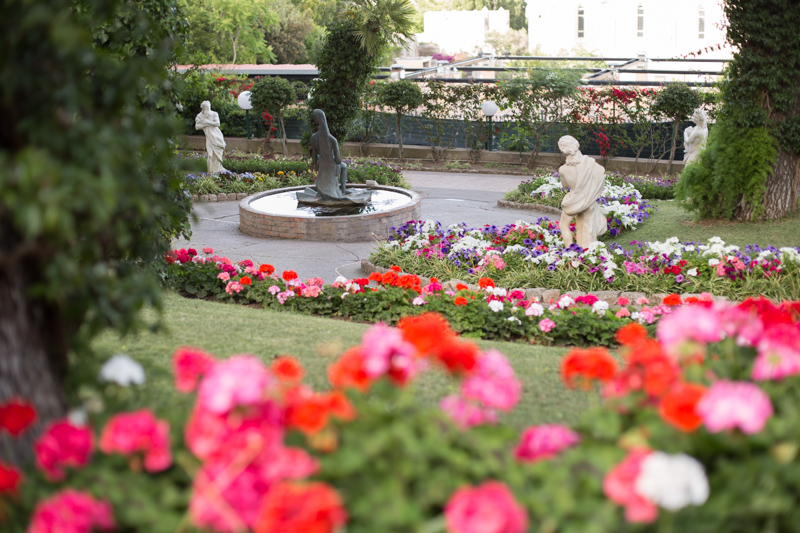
(691, 272)
(672, 481)
(496, 305)
(713, 262)
(123, 370)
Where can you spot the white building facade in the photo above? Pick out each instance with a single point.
(463, 31)
(628, 28)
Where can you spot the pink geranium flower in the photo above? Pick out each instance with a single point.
(210, 435)
(691, 324)
(208, 250)
(730, 404)
(778, 353)
(619, 486)
(465, 413)
(312, 291)
(493, 382)
(386, 350)
(137, 433)
(544, 442)
(487, 508)
(189, 365)
(240, 380)
(71, 511)
(62, 444)
(546, 325)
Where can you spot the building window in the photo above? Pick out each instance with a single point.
(701, 23)
(580, 22)
(640, 21)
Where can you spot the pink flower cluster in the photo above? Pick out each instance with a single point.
(729, 405)
(491, 386)
(387, 353)
(544, 442)
(487, 508)
(71, 511)
(619, 486)
(237, 430)
(139, 433)
(63, 444)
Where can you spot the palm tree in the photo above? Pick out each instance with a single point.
(384, 21)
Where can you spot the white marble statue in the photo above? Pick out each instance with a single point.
(694, 137)
(208, 121)
(586, 179)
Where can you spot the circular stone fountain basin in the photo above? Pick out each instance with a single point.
(276, 214)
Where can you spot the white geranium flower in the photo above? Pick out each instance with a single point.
(514, 319)
(419, 300)
(496, 305)
(341, 279)
(123, 370)
(534, 309)
(672, 481)
(600, 307)
(565, 301)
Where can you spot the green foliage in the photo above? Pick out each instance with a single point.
(288, 37)
(676, 102)
(537, 102)
(437, 104)
(344, 73)
(88, 183)
(273, 94)
(402, 97)
(733, 168)
(230, 30)
(383, 22)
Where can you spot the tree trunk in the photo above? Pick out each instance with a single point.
(33, 348)
(674, 143)
(780, 197)
(283, 133)
(399, 137)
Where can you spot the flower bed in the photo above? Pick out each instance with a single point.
(698, 431)
(288, 174)
(621, 204)
(483, 311)
(527, 254)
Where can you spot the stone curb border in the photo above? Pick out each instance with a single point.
(547, 295)
(534, 207)
(222, 197)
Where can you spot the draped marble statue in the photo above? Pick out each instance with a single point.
(208, 121)
(586, 180)
(694, 137)
(330, 187)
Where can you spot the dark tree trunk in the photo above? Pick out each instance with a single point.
(780, 197)
(399, 138)
(33, 343)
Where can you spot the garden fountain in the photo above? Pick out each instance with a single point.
(332, 210)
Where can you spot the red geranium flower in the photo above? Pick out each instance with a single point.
(266, 269)
(588, 365)
(425, 331)
(632, 333)
(287, 368)
(289, 275)
(460, 300)
(485, 282)
(16, 417)
(310, 507)
(10, 479)
(677, 407)
(395, 268)
(672, 299)
(246, 281)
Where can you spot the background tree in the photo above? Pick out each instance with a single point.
(402, 97)
(751, 166)
(87, 183)
(350, 55)
(288, 37)
(273, 94)
(676, 102)
(228, 31)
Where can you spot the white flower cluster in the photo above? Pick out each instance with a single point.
(672, 481)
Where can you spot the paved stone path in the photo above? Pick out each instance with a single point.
(447, 197)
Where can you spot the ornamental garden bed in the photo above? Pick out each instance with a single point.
(527, 255)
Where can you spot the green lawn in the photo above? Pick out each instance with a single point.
(226, 329)
(672, 221)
